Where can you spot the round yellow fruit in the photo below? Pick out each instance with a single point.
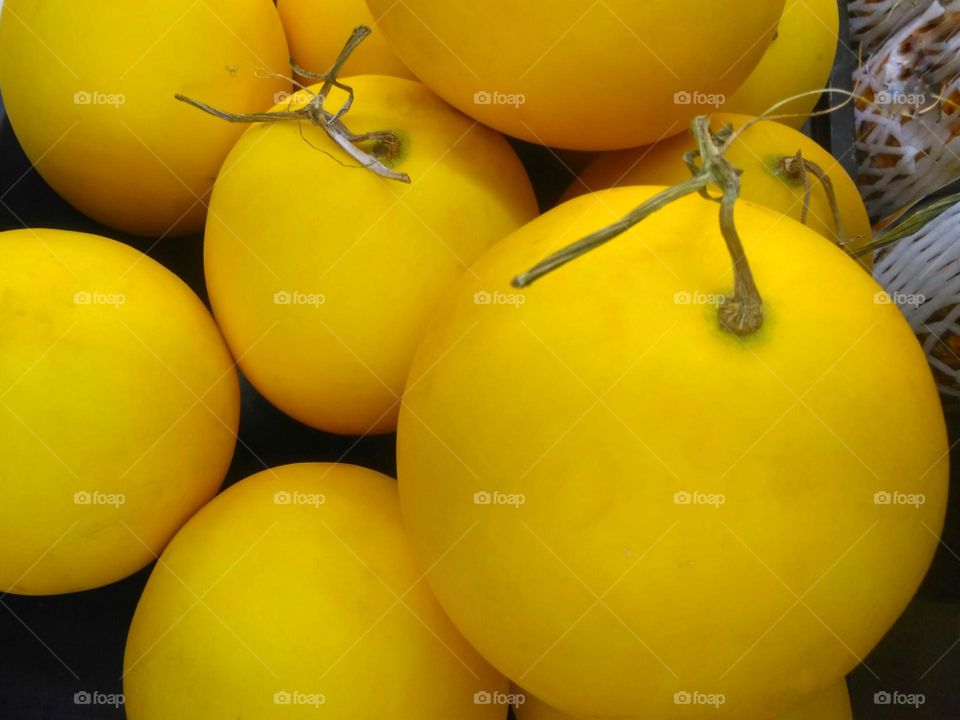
(799, 60)
(295, 594)
(832, 704)
(317, 30)
(618, 500)
(119, 407)
(577, 76)
(759, 152)
(323, 275)
(89, 89)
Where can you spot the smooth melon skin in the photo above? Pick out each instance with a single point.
(119, 407)
(575, 444)
(295, 594)
(89, 90)
(566, 74)
(318, 29)
(324, 276)
(797, 62)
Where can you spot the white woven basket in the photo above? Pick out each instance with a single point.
(908, 132)
(908, 123)
(921, 273)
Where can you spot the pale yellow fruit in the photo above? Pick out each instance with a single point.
(618, 500)
(323, 276)
(89, 89)
(576, 75)
(295, 594)
(119, 407)
(798, 60)
(318, 29)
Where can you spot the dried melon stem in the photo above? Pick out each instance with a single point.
(385, 143)
(799, 169)
(742, 312)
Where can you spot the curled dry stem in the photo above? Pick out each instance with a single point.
(798, 168)
(741, 313)
(386, 144)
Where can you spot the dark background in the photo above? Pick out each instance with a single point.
(53, 647)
